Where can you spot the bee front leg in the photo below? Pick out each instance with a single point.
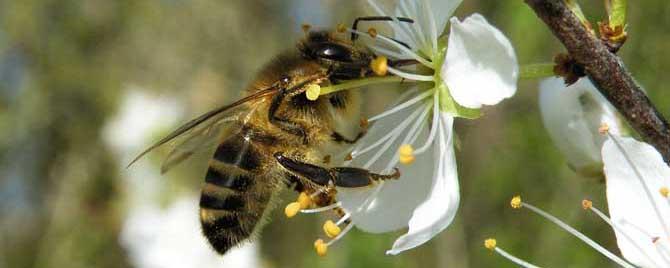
(348, 177)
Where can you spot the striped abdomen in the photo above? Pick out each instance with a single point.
(236, 193)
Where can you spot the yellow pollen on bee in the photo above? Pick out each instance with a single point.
(331, 229)
(516, 202)
(312, 91)
(292, 209)
(304, 200)
(604, 128)
(372, 32)
(490, 243)
(587, 204)
(664, 191)
(406, 154)
(341, 28)
(379, 65)
(320, 247)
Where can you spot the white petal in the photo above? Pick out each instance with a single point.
(439, 209)
(572, 116)
(386, 212)
(627, 198)
(442, 11)
(480, 66)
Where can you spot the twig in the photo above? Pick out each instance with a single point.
(607, 73)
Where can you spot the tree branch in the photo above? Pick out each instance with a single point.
(607, 73)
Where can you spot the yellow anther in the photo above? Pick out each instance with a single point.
(320, 247)
(292, 209)
(406, 154)
(306, 27)
(379, 65)
(587, 204)
(304, 200)
(341, 28)
(331, 229)
(516, 202)
(313, 91)
(664, 191)
(490, 243)
(604, 128)
(372, 32)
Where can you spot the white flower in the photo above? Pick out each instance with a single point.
(169, 238)
(637, 196)
(478, 68)
(572, 116)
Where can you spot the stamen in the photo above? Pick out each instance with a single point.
(400, 47)
(625, 234)
(664, 191)
(402, 106)
(434, 127)
(406, 154)
(320, 247)
(572, 231)
(396, 133)
(304, 200)
(410, 76)
(345, 231)
(292, 209)
(372, 32)
(321, 209)
(331, 229)
(395, 19)
(411, 136)
(313, 91)
(379, 65)
(491, 245)
(638, 175)
(516, 202)
(382, 51)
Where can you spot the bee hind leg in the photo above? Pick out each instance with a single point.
(348, 177)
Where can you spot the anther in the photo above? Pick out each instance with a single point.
(312, 91)
(304, 200)
(364, 123)
(604, 128)
(490, 243)
(664, 191)
(331, 229)
(320, 247)
(516, 202)
(372, 32)
(587, 204)
(379, 65)
(341, 28)
(292, 209)
(349, 157)
(406, 154)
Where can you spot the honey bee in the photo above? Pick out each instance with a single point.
(276, 137)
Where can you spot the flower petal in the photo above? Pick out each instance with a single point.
(439, 209)
(629, 203)
(384, 211)
(572, 116)
(480, 65)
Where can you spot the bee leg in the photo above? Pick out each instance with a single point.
(283, 123)
(349, 177)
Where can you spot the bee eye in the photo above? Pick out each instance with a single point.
(333, 52)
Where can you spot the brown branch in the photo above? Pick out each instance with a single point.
(607, 73)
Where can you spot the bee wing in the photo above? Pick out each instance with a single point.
(199, 131)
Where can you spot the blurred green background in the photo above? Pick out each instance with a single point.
(82, 82)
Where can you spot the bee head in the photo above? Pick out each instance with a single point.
(326, 47)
